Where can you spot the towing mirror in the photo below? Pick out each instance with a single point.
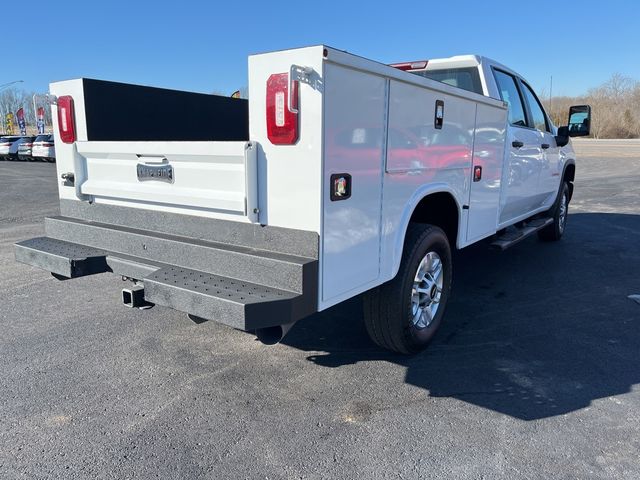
(579, 120)
(579, 124)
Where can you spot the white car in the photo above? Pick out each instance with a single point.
(25, 144)
(44, 148)
(8, 146)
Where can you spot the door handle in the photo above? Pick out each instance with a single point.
(545, 146)
(517, 144)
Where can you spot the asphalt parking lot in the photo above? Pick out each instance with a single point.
(535, 374)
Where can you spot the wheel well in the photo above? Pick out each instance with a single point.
(570, 173)
(569, 177)
(441, 210)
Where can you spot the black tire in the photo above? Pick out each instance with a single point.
(388, 309)
(560, 210)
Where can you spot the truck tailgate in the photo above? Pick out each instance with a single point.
(215, 176)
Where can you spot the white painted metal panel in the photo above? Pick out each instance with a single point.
(488, 154)
(415, 143)
(519, 194)
(551, 171)
(354, 125)
(207, 175)
(290, 176)
(66, 160)
(439, 161)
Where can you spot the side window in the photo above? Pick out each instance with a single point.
(539, 118)
(509, 93)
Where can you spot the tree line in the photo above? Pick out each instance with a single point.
(615, 108)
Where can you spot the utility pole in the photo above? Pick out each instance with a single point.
(551, 94)
(35, 112)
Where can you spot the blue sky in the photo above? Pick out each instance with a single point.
(203, 46)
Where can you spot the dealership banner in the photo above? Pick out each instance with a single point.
(40, 120)
(9, 123)
(21, 123)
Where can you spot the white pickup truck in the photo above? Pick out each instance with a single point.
(339, 176)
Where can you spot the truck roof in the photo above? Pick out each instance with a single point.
(460, 61)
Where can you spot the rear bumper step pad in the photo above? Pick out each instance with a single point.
(237, 303)
(240, 304)
(61, 258)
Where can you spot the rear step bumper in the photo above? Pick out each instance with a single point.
(235, 302)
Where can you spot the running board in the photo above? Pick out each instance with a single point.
(515, 235)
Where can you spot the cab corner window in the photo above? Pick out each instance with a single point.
(509, 94)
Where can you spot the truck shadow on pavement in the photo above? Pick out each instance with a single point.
(536, 331)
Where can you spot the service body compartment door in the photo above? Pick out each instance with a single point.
(488, 161)
(354, 151)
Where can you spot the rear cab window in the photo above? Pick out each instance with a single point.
(467, 78)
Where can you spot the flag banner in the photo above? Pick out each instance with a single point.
(40, 120)
(21, 123)
(9, 123)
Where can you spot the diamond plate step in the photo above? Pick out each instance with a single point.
(62, 258)
(277, 270)
(240, 304)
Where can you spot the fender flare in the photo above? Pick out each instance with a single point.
(569, 162)
(418, 195)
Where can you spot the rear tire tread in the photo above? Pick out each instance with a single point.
(383, 304)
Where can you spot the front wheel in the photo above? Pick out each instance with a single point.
(404, 314)
(555, 229)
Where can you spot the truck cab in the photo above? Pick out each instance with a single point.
(534, 162)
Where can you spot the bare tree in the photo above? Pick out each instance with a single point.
(615, 108)
(12, 99)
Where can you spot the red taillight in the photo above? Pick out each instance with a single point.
(410, 65)
(66, 119)
(282, 118)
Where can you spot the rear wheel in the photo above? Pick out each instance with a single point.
(404, 314)
(555, 230)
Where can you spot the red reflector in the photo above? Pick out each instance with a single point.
(410, 65)
(282, 122)
(66, 119)
(477, 173)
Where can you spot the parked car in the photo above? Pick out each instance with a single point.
(352, 178)
(24, 148)
(43, 148)
(8, 146)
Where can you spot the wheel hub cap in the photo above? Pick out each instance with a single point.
(563, 213)
(427, 290)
